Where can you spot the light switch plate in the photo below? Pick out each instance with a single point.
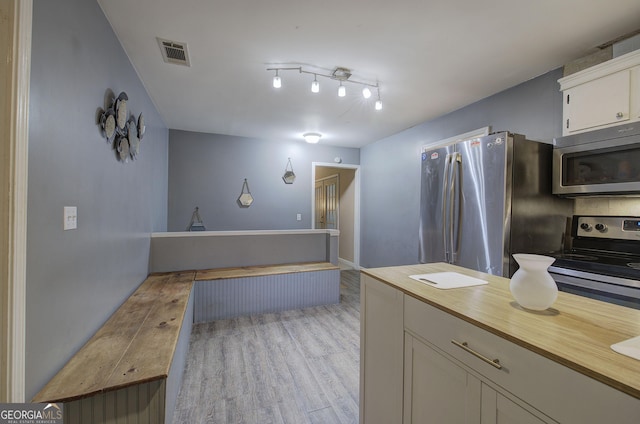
(299, 217)
(70, 217)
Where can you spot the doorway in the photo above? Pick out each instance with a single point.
(336, 205)
(327, 201)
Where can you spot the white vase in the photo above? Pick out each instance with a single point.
(531, 285)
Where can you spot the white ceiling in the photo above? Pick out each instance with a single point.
(430, 58)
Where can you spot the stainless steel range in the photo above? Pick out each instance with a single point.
(602, 261)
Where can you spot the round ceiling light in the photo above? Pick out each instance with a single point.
(312, 138)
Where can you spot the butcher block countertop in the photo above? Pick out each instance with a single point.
(575, 331)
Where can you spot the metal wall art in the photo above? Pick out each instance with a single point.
(246, 199)
(122, 129)
(289, 177)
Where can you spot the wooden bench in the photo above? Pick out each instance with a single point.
(131, 369)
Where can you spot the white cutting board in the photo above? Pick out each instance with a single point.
(629, 347)
(447, 280)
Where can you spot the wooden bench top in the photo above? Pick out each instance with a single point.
(260, 270)
(135, 345)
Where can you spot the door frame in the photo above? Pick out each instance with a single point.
(13, 213)
(356, 203)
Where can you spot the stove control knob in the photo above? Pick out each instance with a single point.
(586, 227)
(601, 227)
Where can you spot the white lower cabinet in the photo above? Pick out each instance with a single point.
(498, 409)
(438, 390)
(420, 364)
(381, 350)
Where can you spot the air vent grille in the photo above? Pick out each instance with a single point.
(174, 52)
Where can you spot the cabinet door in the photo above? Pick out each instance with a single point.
(436, 390)
(498, 409)
(381, 352)
(601, 102)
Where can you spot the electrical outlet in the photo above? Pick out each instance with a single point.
(299, 217)
(70, 218)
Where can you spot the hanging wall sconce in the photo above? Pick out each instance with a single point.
(246, 199)
(289, 177)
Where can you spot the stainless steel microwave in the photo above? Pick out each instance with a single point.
(600, 162)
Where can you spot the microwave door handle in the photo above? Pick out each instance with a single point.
(457, 196)
(445, 204)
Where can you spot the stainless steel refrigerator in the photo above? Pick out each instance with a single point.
(486, 198)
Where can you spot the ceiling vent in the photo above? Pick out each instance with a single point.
(174, 52)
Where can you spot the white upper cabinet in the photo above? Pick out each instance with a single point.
(604, 95)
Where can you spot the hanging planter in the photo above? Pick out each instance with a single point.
(246, 199)
(289, 177)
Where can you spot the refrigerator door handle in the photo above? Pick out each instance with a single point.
(457, 191)
(446, 180)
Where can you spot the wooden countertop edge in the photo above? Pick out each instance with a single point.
(262, 270)
(562, 360)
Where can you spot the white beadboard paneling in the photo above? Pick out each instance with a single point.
(140, 404)
(226, 298)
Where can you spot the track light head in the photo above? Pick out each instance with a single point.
(366, 92)
(315, 85)
(342, 90)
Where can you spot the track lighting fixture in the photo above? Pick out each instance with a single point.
(342, 75)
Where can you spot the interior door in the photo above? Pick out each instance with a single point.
(327, 202)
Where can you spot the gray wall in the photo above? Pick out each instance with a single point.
(77, 278)
(390, 199)
(207, 170)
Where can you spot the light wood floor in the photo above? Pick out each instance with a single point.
(294, 367)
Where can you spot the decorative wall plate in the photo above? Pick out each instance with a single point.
(123, 149)
(134, 140)
(141, 126)
(121, 110)
(108, 123)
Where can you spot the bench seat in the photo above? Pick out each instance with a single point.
(131, 369)
(231, 292)
(136, 345)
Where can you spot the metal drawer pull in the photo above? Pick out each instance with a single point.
(464, 345)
